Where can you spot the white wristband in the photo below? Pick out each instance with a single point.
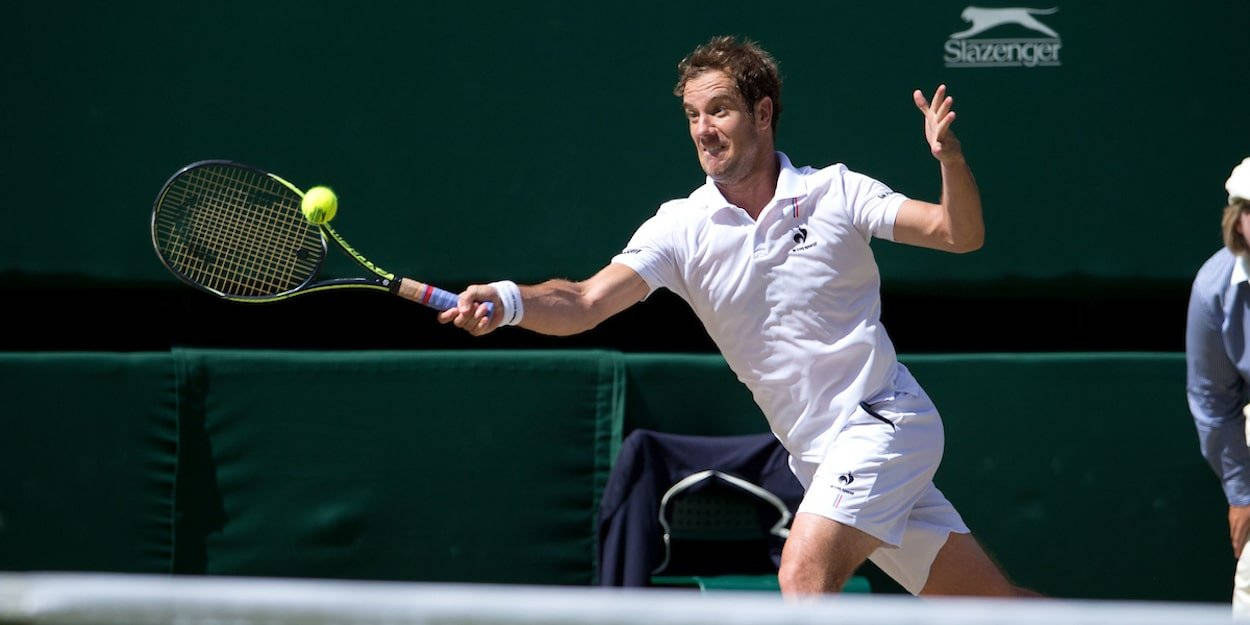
(510, 294)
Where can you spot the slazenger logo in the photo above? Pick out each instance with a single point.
(964, 51)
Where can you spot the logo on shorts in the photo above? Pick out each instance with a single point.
(800, 235)
(844, 482)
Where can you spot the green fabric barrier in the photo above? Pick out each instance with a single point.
(688, 394)
(87, 462)
(1081, 472)
(475, 466)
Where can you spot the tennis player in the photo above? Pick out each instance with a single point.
(775, 261)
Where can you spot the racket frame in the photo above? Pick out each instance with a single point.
(385, 280)
(407, 288)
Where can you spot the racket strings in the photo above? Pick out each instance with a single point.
(217, 256)
(237, 232)
(255, 256)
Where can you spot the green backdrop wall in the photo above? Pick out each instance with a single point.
(541, 134)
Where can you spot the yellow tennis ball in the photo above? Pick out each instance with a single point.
(319, 205)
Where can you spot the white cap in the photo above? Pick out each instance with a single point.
(1238, 184)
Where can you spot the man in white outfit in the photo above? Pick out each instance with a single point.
(775, 261)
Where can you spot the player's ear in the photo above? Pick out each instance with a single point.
(764, 113)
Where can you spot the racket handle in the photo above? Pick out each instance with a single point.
(432, 296)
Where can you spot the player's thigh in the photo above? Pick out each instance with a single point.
(963, 568)
(821, 554)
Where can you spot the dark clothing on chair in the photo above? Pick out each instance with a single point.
(630, 536)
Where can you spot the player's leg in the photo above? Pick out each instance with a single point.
(860, 496)
(963, 568)
(939, 556)
(821, 555)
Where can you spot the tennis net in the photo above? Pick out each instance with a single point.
(108, 599)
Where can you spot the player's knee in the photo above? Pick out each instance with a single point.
(810, 578)
(791, 579)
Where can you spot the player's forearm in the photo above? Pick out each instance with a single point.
(961, 205)
(559, 307)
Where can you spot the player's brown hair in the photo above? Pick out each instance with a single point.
(752, 69)
(1234, 240)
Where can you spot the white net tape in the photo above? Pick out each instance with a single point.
(99, 599)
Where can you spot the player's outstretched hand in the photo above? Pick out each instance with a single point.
(938, 117)
(470, 313)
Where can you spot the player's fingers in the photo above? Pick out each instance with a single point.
(938, 97)
(921, 103)
(472, 295)
(944, 108)
(464, 303)
(482, 313)
(448, 315)
(462, 315)
(944, 126)
(484, 323)
(464, 322)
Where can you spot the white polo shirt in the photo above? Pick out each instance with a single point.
(791, 299)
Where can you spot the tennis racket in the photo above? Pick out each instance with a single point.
(237, 232)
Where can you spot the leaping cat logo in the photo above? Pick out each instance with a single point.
(983, 19)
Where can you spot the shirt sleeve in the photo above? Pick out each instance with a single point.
(1216, 395)
(652, 254)
(872, 204)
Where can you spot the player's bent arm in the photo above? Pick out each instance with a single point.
(561, 307)
(557, 307)
(955, 225)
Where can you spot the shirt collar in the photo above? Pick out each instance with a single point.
(1241, 269)
(790, 185)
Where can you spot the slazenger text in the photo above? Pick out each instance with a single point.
(1002, 52)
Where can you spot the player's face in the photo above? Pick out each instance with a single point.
(726, 136)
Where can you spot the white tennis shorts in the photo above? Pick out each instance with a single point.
(877, 476)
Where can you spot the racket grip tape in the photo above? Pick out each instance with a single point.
(432, 296)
